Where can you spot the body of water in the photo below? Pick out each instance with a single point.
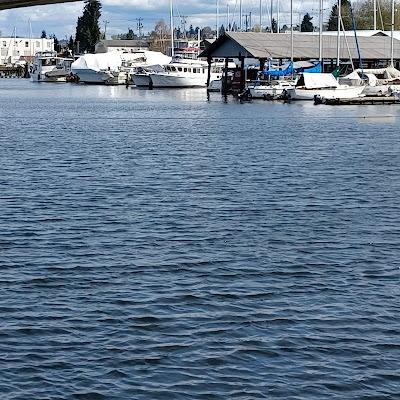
(156, 245)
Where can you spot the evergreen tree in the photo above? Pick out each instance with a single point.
(87, 28)
(71, 45)
(346, 17)
(221, 30)
(130, 35)
(44, 35)
(306, 24)
(57, 46)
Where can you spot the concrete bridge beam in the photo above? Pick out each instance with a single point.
(8, 4)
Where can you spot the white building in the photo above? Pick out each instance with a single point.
(124, 45)
(19, 48)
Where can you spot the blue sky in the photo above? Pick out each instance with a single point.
(60, 19)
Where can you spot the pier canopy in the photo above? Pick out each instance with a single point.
(306, 46)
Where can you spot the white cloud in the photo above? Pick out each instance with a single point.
(121, 14)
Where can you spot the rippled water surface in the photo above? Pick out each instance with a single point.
(156, 245)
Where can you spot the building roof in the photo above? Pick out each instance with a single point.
(278, 46)
(124, 43)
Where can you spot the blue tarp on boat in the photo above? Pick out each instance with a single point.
(317, 68)
(279, 72)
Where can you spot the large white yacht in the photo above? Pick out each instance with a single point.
(185, 73)
(48, 67)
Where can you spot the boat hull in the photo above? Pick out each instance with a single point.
(348, 92)
(141, 80)
(35, 77)
(98, 77)
(174, 81)
(272, 91)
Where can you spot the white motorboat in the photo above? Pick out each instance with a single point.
(324, 86)
(48, 67)
(141, 78)
(185, 73)
(270, 90)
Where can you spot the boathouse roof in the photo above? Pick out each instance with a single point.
(278, 46)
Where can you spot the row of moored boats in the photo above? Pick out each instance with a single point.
(154, 69)
(143, 69)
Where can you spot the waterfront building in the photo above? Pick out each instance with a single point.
(13, 49)
(124, 45)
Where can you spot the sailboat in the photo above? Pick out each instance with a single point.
(324, 85)
(279, 81)
(380, 81)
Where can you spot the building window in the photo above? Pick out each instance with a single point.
(4, 43)
(26, 44)
(49, 45)
(37, 44)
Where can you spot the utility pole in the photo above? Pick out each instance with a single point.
(105, 28)
(246, 16)
(139, 26)
(250, 20)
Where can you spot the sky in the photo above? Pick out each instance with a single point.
(60, 19)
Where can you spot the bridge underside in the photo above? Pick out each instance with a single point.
(7, 4)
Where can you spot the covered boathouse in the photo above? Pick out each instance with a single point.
(373, 51)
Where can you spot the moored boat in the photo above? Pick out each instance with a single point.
(324, 86)
(48, 67)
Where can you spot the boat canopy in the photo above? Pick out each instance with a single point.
(113, 60)
(296, 67)
(317, 68)
(388, 72)
(317, 81)
(280, 72)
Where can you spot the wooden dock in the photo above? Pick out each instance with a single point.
(359, 101)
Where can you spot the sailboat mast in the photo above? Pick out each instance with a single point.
(272, 15)
(374, 15)
(217, 13)
(171, 17)
(277, 15)
(339, 6)
(320, 31)
(391, 37)
(240, 15)
(260, 15)
(291, 33)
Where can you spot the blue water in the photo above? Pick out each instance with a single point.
(156, 245)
